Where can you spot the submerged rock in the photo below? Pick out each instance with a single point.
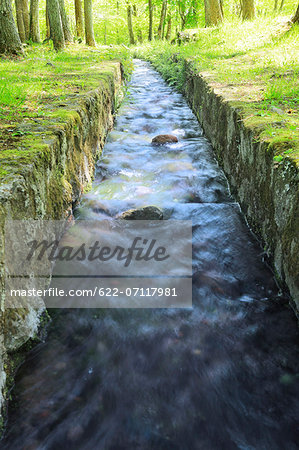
(164, 139)
(144, 213)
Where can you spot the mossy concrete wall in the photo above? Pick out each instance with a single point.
(48, 171)
(267, 190)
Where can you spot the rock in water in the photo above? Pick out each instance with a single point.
(164, 139)
(144, 213)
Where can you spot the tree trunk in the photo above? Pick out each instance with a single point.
(56, 30)
(48, 32)
(295, 18)
(10, 42)
(162, 18)
(20, 20)
(89, 34)
(213, 14)
(247, 9)
(168, 32)
(150, 20)
(79, 18)
(65, 22)
(130, 24)
(34, 34)
(25, 9)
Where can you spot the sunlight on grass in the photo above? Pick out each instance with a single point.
(25, 83)
(256, 63)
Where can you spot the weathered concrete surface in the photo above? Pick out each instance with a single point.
(59, 164)
(268, 191)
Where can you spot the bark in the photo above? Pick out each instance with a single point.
(295, 18)
(10, 42)
(20, 20)
(150, 20)
(34, 34)
(213, 14)
(65, 22)
(79, 18)
(56, 30)
(162, 18)
(130, 24)
(48, 32)
(89, 34)
(247, 9)
(168, 32)
(25, 10)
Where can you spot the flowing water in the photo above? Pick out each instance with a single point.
(222, 375)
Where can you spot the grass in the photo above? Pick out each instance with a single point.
(252, 64)
(35, 90)
(25, 84)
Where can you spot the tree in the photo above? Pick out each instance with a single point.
(56, 30)
(295, 18)
(247, 9)
(150, 20)
(213, 13)
(187, 9)
(25, 10)
(130, 24)
(79, 18)
(48, 33)
(168, 32)
(89, 34)
(162, 18)
(20, 20)
(65, 22)
(10, 42)
(22, 14)
(34, 34)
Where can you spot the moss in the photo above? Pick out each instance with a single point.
(65, 115)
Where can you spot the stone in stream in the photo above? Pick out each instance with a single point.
(162, 139)
(144, 213)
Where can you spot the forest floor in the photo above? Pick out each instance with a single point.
(37, 88)
(254, 65)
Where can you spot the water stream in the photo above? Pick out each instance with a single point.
(224, 375)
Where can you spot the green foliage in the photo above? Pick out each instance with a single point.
(11, 96)
(166, 60)
(110, 16)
